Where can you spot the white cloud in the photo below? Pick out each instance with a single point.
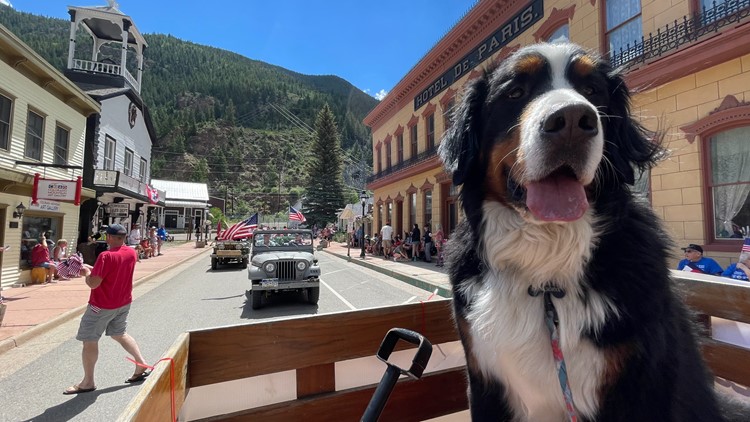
(6, 2)
(380, 94)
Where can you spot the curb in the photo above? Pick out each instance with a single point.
(39, 329)
(424, 285)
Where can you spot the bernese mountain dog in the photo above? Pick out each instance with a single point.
(561, 289)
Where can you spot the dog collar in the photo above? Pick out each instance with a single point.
(551, 320)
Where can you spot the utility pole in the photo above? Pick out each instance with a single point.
(281, 173)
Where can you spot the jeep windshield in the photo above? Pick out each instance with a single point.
(281, 239)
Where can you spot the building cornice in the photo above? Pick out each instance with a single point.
(475, 26)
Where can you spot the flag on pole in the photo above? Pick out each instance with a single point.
(295, 215)
(218, 229)
(746, 245)
(241, 230)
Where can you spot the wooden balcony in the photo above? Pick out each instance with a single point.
(107, 69)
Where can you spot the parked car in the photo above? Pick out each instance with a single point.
(230, 252)
(282, 260)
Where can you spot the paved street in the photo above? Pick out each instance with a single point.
(190, 296)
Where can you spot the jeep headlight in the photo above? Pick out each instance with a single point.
(269, 267)
(301, 265)
(219, 246)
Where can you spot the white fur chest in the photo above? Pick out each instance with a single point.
(510, 340)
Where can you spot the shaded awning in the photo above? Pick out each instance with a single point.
(186, 204)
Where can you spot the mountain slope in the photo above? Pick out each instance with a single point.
(194, 90)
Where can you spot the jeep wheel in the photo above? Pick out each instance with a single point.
(257, 299)
(244, 263)
(214, 263)
(313, 293)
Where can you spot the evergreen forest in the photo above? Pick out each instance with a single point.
(242, 126)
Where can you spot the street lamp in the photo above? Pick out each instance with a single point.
(363, 198)
(18, 213)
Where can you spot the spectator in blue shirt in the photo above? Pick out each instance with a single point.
(739, 270)
(696, 262)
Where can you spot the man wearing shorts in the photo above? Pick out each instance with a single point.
(111, 283)
(386, 234)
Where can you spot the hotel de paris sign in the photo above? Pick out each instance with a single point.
(507, 33)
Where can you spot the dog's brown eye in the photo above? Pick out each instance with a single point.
(515, 93)
(587, 90)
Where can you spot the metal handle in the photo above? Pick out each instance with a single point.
(393, 372)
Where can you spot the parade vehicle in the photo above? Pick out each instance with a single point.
(230, 252)
(282, 261)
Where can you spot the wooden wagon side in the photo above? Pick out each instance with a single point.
(310, 349)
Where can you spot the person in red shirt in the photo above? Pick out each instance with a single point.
(40, 258)
(111, 283)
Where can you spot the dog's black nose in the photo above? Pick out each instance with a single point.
(576, 122)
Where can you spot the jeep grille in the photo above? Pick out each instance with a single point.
(286, 270)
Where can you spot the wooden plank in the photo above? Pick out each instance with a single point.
(230, 353)
(436, 394)
(316, 379)
(715, 297)
(154, 401)
(727, 360)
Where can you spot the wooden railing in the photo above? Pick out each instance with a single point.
(314, 347)
(106, 68)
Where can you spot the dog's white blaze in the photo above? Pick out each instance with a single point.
(509, 336)
(561, 94)
(532, 147)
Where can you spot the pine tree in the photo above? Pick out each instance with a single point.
(325, 187)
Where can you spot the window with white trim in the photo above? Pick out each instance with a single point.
(413, 141)
(62, 145)
(400, 148)
(6, 106)
(34, 136)
(109, 153)
(142, 170)
(128, 167)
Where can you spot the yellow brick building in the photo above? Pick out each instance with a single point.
(687, 62)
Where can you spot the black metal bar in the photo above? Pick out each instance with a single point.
(58, 166)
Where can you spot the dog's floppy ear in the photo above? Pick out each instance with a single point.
(628, 144)
(460, 145)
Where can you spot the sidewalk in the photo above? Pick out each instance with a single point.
(421, 274)
(35, 309)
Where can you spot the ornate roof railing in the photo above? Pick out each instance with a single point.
(672, 36)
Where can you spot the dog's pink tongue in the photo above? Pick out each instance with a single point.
(556, 198)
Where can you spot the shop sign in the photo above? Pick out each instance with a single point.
(506, 33)
(118, 210)
(45, 205)
(58, 190)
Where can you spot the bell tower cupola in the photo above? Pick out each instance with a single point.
(105, 48)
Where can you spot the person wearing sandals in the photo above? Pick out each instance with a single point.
(111, 283)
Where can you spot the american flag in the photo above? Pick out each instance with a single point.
(746, 245)
(295, 215)
(240, 230)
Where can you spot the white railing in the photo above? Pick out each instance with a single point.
(134, 83)
(89, 66)
(108, 68)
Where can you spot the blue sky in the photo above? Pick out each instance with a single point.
(371, 44)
